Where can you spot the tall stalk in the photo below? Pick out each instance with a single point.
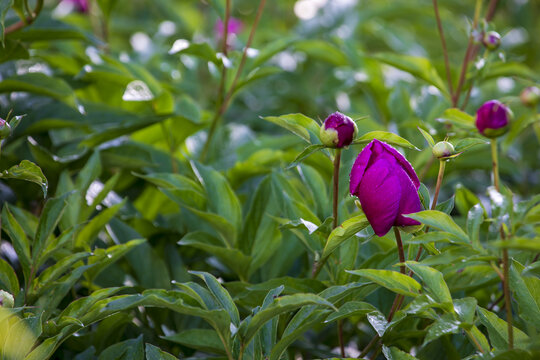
(443, 44)
(505, 261)
(225, 104)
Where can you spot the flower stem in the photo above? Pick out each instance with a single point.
(28, 21)
(443, 43)
(337, 160)
(230, 92)
(401, 253)
(506, 265)
(495, 160)
(442, 166)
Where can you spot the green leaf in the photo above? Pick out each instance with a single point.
(387, 137)
(200, 50)
(322, 50)
(298, 124)
(467, 143)
(393, 353)
(179, 188)
(155, 353)
(351, 308)
(498, 331)
(90, 172)
(458, 117)
(446, 206)
(8, 278)
(132, 349)
(475, 218)
(439, 220)
(434, 280)
(417, 66)
(221, 295)
(50, 216)
(305, 153)
(222, 199)
(344, 232)
(90, 231)
(437, 237)
(18, 237)
(199, 339)
(392, 280)
(104, 257)
(527, 294)
(427, 136)
(40, 84)
(59, 268)
(518, 244)
(466, 199)
(279, 306)
(232, 258)
(5, 5)
(28, 171)
(442, 326)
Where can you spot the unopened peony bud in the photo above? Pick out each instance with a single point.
(530, 96)
(443, 149)
(491, 40)
(493, 119)
(338, 130)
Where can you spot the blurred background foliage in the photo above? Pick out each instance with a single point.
(121, 98)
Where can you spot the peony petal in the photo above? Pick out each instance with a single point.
(409, 202)
(359, 167)
(379, 193)
(406, 165)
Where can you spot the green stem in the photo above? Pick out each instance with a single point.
(318, 265)
(440, 176)
(505, 261)
(495, 160)
(337, 160)
(27, 21)
(230, 92)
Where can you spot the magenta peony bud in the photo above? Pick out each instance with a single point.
(530, 96)
(338, 130)
(491, 40)
(493, 119)
(233, 27)
(5, 129)
(387, 186)
(443, 149)
(79, 5)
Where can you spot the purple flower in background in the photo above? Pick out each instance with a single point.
(387, 186)
(492, 119)
(492, 40)
(79, 5)
(338, 130)
(233, 27)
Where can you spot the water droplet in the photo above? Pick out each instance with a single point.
(137, 90)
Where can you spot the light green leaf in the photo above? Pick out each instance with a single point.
(40, 84)
(427, 136)
(393, 353)
(351, 308)
(417, 66)
(298, 124)
(18, 237)
(392, 280)
(439, 220)
(343, 233)
(465, 144)
(458, 117)
(387, 137)
(434, 280)
(305, 153)
(8, 278)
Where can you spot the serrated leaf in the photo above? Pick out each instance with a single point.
(27, 171)
(391, 280)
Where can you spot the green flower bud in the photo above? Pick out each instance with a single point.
(443, 149)
(5, 129)
(530, 96)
